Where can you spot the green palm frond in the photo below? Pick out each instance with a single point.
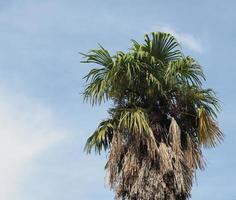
(99, 56)
(208, 131)
(136, 47)
(153, 81)
(97, 90)
(99, 78)
(101, 138)
(186, 70)
(207, 99)
(139, 52)
(163, 46)
(126, 68)
(199, 97)
(135, 120)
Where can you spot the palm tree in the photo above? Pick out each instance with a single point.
(160, 120)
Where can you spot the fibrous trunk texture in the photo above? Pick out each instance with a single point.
(160, 166)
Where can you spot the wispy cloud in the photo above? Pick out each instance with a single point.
(189, 40)
(27, 129)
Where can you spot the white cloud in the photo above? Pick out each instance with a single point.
(27, 129)
(189, 40)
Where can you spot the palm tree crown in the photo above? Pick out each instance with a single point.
(160, 119)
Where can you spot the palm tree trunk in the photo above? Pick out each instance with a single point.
(140, 169)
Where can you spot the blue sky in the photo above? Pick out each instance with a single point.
(43, 120)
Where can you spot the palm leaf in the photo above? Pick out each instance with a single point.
(134, 120)
(198, 97)
(97, 89)
(163, 46)
(99, 56)
(208, 131)
(186, 70)
(101, 138)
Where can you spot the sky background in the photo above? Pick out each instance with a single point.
(43, 120)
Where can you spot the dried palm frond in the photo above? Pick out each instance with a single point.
(209, 132)
(193, 155)
(174, 135)
(134, 174)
